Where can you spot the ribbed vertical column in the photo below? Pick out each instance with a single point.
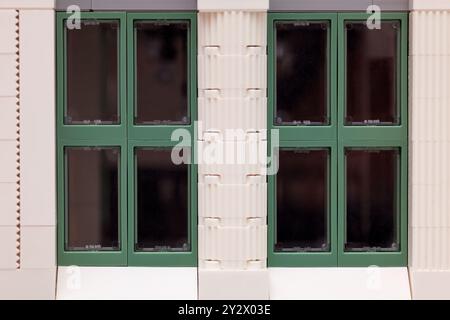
(430, 150)
(9, 140)
(232, 108)
(27, 157)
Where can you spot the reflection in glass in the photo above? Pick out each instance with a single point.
(161, 72)
(92, 198)
(302, 201)
(371, 201)
(371, 73)
(302, 51)
(162, 201)
(92, 81)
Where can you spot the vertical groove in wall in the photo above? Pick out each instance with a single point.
(430, 140)
(18, 242)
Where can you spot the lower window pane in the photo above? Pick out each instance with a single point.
(92, 198)
(371, 210)
(162, 202)
(302, 201)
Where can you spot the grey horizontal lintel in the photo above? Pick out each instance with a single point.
(337, 5)
(140, 5)
(84, 5)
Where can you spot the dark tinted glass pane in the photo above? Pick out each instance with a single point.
(371, 200)
(92, 63)
(302, 72)
(92, 198)
(162, 202)
(161, 72)
(371, 73)
(302, 201)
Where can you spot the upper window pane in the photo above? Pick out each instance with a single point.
(162, 202)
(371, 97)
(302, 201)
(92, 198)
(302, 51)
(92, 73)
(161, 72)
(371, 204)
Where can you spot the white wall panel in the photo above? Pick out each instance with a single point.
(37, 115)
(232, 84)
(8, 204)
(8, 75)
(8, 244)
(232, 71)
(27, 4)
(8, 35)
(429, 213)
(38, 247)
(8, 161)
(232, 31)
(27, 158)
(8, 118)
(9, 139)
(241, 244)
(233, 204)
(218, 115)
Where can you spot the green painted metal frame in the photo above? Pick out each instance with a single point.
(86, 132)
(306, 259)
(304, 132)
(91, 258)
(392, 136)
(161, 132)
(383, 259)
(381, 132)
(306, 137)
(90, 136)
(126, 136)
(337, 136)
(160, 136)
(160, 259)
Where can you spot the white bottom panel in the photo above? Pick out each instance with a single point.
(8, 251)
(127, 283)
(233, 285)
(29, 284)
(430, 284)
(339, 283)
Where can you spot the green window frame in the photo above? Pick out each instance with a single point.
(337, 137)
(127, 136)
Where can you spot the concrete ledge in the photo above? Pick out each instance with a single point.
(233, 285)
(430, 284)
(113, 283)
(339, 283)
(28, 284)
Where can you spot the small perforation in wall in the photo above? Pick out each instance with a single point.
(18, 238)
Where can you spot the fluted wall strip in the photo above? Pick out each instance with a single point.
(236, 203)
(18, 230)
(430, 140)
(233, 31)
(233, 243)
(232, 84)
(220, 114)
